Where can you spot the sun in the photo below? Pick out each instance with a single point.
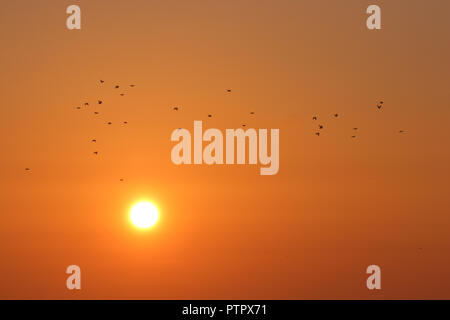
(144, 215)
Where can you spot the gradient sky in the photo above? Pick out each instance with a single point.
(337, 204)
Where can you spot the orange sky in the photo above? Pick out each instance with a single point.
(336, 205)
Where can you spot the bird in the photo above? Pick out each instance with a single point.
(100, 101)
(320, 126)
(116, 87)
(132, 85)
(175, 108)
(101, 81)
(122, 94)
(379, 106)
(243, 125)
(317, 133)
(228, 90)
(96, 152)
(78, 108)
(355, 129)
(125, 122)
(86, 104)
(121, 180)
(95, 112)
(27, 169)
(401, 131)
(209, 115)
(336, 115)
(252, 112)
(93, 140)
(110, 123)
(314, 118)
(353, 136)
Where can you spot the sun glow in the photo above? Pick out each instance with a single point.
(144, 215)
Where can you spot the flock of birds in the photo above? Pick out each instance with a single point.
(379, 105)
(99, 102)
(336, 115)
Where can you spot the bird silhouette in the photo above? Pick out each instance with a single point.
(93, 140)
(109, 123)
(252, 112)
(86, 104)
(243, 125)
(175, 108)
(379, 106)
(121, 180)
(125, 122)
(314, 118)
(401, 131)
(95, 112)
(355, 129)
(96, 152)
(336, 115)
(101, 81)
(78, 108)
(228, 90)
(116, 87)
(317, 133)
(100, 101)
(27, 169)
(353, 136)
(209, 115)
(320, 126)
(132, 85)
(122, 94)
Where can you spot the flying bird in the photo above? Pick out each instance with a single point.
(132, 85)
(116, 87)
(401, 131)
(252, 112)
(336, 115)
(27, 169)
(209, 115)
(228, 90)
(96, 152)
(380, 105)
(353, 136)
(243, 125)
(314, 118)
(95, 112)
(175, 108)
(78, 108)
(100, 101)
(122, 94)
(93, 140)
(109, 123)
(317, 133)
(355, 129)
(101, 81)
(125, 122)
(320, 126)
(86, 104)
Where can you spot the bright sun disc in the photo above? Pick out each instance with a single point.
(144, 215)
